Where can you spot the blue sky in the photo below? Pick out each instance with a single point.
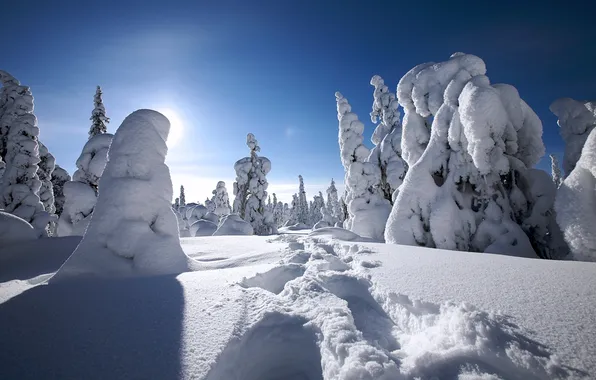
(227, 68)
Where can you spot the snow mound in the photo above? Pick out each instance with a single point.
(233, 224)
(202, 227)
(212, 217)
(296, 227)
(133, 229)
(336, 233)
(15, 230)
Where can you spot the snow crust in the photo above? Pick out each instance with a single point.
(133, 230)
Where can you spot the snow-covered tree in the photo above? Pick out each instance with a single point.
(368, 209)
(242, 167)
(555, 170)
(576, 204)
(315, 214)
(182, 197)
(98, 116)
(59, 179)
(303, 214)
(81, 193)
(176, 204)
(472, 187)
(210, 205)
(279, 214)
(19, 148)
(387, 139)
(576, 120)
(332, 205)
(257, 213)
(294, 211)
(46, 167)
(133, 230)
(222, 201)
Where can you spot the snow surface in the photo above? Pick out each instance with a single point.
(15, 230)
(233, 224)
(299, 307)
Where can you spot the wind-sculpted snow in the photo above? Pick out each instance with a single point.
(133, 229)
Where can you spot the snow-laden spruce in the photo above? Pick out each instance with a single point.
(555, 170)
(472, 188)
(367, 208)
(576, 120)
(182, 197)
(250, 189)
(315, 215)
(46, 168)
(303, 210)
(80, 194)
(387, 139)
(59, 179)
(133, 230)
(98, 116)
(221, 199)
(576, 204)
(332, 204)
(20, 184)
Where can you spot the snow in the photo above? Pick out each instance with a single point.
(133, 229)
(15, 230)
(233, 224)
(576, 204)
(301, 307)
(202, 227)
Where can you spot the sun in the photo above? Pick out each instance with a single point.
(176, 126)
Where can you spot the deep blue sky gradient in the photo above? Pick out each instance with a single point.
(272, 67)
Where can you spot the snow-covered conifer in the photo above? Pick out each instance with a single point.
(182, 197)
(576, 204)
(257, 213)
(470, 189)
(576, 120)
(20, 184)
(47, 164)
(368, 209)
(279, 214)
(133, 230)
(176, 204)
(242, 167)
(98, 116)
(222, 201)
(294, 211)
(303, 214)
(81, 193)
(387, 139)
(332, 205)
(315, 212)
(555, 170)
(59, 179)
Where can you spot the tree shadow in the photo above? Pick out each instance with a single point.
(94, 329)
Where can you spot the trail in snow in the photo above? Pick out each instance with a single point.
(318, 315)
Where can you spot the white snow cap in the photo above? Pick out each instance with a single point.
(133, 229)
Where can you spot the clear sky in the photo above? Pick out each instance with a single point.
(226, 68)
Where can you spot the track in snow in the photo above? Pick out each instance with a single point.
(328, 320)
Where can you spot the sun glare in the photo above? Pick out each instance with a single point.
(176, 126)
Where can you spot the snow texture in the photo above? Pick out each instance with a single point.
(20, 184)
(202, 227)
(472, 166)
(133, 230)
(98, 116)
(233, 224)
(576, 204)
(15, 230)
(576, 120)
(80, 194)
